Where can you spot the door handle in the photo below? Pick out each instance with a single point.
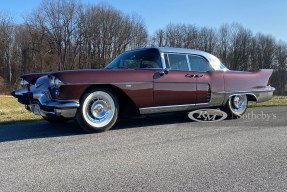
(198, 75)
(193, 75)
(189, 75)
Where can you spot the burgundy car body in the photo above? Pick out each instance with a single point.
(149, 89)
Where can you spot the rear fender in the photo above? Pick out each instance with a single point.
(237, 81)
(256, 84)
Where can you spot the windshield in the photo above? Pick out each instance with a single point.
(149, 58)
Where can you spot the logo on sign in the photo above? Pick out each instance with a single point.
(207, 115)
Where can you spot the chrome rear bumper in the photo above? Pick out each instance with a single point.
(261, 94)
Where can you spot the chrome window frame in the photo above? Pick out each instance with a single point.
(186, 57)
(167, 65)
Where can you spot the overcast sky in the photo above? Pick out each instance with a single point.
(265, 16)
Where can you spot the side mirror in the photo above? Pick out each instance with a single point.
(159, 74)
(164, 72)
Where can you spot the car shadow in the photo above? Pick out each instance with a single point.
(152, 120)
(42, 129)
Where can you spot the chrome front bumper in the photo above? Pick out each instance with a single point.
(41, 103)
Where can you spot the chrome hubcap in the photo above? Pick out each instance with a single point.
(98, 109)
(238, 104)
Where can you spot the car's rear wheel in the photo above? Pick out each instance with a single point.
(98, 110)
(56, 120)
(236, 106)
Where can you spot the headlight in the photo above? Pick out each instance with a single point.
(55, 82)
(24, 83)
(55, 85)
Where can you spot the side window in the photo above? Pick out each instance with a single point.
(178, 62)
(198, 63)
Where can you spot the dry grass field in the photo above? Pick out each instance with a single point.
(12, 111)
(275, 101)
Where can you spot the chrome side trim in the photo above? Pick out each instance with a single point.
(265, 89)
(62, 104)
(173, 108)
(161, 109)
(113, 83)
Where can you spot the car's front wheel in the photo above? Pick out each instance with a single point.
(98, 110)
(236, 106)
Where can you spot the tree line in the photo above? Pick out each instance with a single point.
(66, 34)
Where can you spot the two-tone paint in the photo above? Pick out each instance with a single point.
(148, 89)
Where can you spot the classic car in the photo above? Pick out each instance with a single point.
(142, 81)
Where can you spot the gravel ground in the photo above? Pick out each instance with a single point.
(158, 153)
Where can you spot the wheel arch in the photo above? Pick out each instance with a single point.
(251, 97)
(126, 105)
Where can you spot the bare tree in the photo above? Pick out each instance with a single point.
(280, 75)
(107, 32)
(66, 34)
(223, 43)
(158, 39)
(6, 43)
(58, 21)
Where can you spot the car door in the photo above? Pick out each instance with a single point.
(200, 67)
(178, 87)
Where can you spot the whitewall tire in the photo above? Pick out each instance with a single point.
(98, 110)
